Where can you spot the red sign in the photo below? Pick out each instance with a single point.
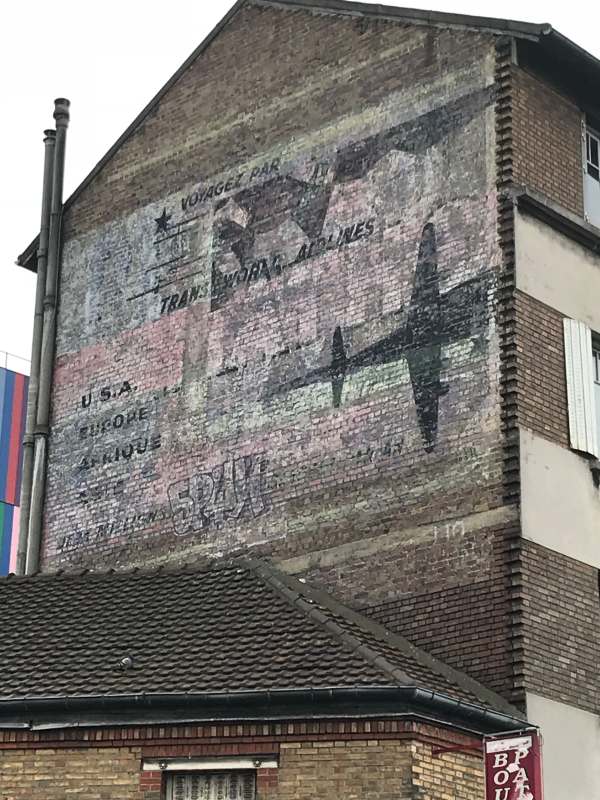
(513, 767)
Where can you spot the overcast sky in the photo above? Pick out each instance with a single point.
(109, 59)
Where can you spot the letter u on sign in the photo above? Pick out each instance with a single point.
(513, 766)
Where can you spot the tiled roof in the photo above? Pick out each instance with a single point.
(235, 627)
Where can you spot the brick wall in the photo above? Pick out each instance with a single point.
(547, 141)
(542, 390)
(378, 759)
(55, 773)
(272, 75)
(561, 627)
(442, 776)
(378, 769)
(318, 362)
(461, 615)
(556, 641)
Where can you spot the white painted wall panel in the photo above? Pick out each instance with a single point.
(571, 749)
(560, 504)
(557, 271)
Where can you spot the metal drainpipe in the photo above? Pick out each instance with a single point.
(61, 116)
(36, 349)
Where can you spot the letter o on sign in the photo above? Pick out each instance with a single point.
(502, 777)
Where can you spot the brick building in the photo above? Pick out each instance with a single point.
(328, 302)
(223, 682)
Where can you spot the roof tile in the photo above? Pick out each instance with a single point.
(238, 626)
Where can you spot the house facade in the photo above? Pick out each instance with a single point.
(229, 681)
(329, 302)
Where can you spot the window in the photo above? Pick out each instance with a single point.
(591, 176)
(211, 786)
(219, 778)
(592, 155)
(582, 362)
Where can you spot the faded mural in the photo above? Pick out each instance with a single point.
(302, 342)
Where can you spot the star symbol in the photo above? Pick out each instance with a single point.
(162, 222)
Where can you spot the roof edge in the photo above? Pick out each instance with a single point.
(445, 707)
(291, 589)
(575, 48)
(295, 597)
(495, 25)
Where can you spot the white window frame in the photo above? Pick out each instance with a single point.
(582, 389)
(591, 174)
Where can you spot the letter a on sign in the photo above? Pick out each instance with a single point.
(513, 766)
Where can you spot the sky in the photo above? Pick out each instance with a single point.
(109, 59)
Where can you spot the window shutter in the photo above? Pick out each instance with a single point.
(580, 387)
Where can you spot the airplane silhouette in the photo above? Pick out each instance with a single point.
(269, 204)
(433, 320)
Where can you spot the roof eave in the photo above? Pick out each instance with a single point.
(565, 66)
(575, 49)
(279, 703)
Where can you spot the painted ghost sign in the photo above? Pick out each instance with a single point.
(513, 767)
(226, 351)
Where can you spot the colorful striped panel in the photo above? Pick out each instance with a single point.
(15, 539)
(13, 405)
(9, 534)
